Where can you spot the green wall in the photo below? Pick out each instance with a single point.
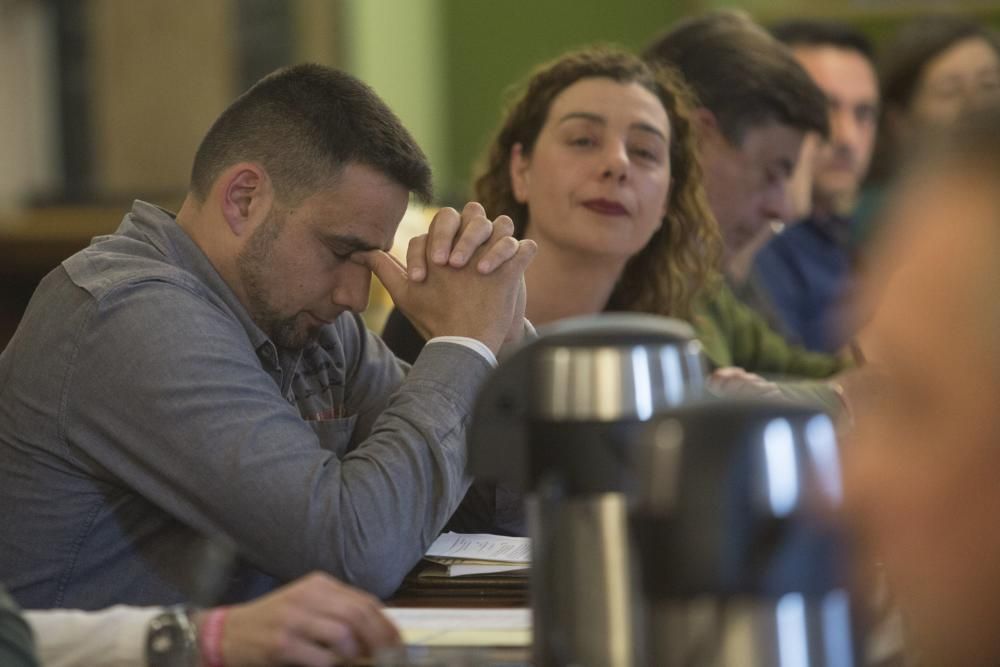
(397, 47)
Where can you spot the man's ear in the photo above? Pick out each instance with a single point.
(707, 124)
(245, 196)
(712, 143)
(519, 176)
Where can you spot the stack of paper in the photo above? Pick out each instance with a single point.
(458, 554)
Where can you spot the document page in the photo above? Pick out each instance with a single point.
(480, 546)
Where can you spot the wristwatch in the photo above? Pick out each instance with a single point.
(172, 639)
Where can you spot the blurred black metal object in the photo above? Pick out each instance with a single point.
(740, 561)
(561, 419)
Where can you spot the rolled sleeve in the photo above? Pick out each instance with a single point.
(114, 637)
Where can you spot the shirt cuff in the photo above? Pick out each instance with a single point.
(115, 637)
(471, 343)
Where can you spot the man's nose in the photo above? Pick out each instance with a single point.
(776, 204)
(353, 287)
(845, 131)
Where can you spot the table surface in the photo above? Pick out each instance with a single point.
(489, 591)
(34, 241)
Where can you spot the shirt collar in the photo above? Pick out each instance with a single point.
(837, 228)
(159, 227)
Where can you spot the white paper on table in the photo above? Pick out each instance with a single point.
(481, 546)
(462, 627)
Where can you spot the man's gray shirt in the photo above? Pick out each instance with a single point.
(140, 406)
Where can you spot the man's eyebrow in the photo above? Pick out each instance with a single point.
(350, 243)
(597, 118)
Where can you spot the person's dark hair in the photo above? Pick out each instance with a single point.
(816, 32)
(303, 124)
(741, 74)
(680, 257)
(906, 56)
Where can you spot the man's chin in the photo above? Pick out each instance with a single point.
(837, 186)
(294, 335)
(311, 336)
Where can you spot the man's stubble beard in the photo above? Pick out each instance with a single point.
(253, 265)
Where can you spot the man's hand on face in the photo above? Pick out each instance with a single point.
(463, 278)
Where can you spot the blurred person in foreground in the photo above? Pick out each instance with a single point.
(922, 463)
(807, 271)
(207, 372)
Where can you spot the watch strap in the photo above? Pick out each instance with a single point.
(172, 639)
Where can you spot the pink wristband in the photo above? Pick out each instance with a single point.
(210, 639)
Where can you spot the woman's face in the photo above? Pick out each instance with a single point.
(598, 177)
(965, 74)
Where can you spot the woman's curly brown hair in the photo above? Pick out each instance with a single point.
(681, 257)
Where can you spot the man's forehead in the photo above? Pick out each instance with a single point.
(348, 242)
(831, 54)
(840, 71)
(765, 131)
(362, 205)
(772, 141)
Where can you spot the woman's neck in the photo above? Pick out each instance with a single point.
(564, 284)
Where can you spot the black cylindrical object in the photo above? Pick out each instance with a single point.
(561, 419)
(740, 561)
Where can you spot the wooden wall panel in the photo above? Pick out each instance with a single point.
(161, 72)
(28, 115)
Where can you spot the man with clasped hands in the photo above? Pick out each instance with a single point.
(208, 372)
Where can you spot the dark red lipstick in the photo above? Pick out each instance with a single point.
(605, 207)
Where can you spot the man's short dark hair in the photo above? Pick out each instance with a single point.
(741, 74)
(815, 32)
(304, 124)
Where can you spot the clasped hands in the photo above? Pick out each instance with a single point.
(464, 277)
